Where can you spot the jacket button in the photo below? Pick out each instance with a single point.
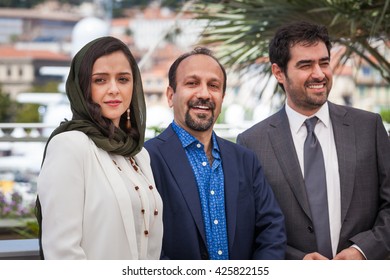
(310, 228)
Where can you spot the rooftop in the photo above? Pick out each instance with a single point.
(12, 52)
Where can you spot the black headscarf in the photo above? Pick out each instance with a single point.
(119, 141)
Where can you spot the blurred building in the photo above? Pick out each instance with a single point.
(36, 26)
(156, 36)
(20, 68)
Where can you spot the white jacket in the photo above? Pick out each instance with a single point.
(86, 207)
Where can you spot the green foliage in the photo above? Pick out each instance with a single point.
(8, 108)
(15, 208)
(242, 29)
(19, 4)
(51, 86)
(29, 230)
(385, 114)
(27, 113)
(13, 112)
(172, 3)
(72, 2)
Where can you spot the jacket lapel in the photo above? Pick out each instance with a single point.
(282, 143)
(181, 170)
(231, 178)
(344, 136)
(122, 196)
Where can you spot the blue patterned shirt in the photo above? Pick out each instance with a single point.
(210, 181)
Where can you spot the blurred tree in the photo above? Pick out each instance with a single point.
(27, 113)
(19, 4)
(11, 111)
(7, 108)
(51, 86)
(385, 114)
(242, 29)
(173, 3)
(72, 2)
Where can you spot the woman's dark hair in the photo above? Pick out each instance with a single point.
(106, 46)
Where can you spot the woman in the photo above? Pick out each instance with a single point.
(96, 189)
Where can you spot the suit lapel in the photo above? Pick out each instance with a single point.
(231, 178)
(122, 196)
(181, 170)
(344, 136)
(282, 143)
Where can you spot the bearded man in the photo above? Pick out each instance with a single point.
(217, 203)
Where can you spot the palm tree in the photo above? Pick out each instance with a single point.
(242, 29)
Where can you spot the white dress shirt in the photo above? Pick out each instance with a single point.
(324, 133)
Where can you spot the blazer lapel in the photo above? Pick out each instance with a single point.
(122, 196)
(344, 135)
(281, 140)
(181, 170)
(231, 178)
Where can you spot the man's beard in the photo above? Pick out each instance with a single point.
(202, 123)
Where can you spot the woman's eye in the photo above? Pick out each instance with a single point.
(124, 79)
(98, 80)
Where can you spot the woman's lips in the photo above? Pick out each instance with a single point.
(113, 103)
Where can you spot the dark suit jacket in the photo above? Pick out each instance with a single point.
(255, 224)
(363, 151)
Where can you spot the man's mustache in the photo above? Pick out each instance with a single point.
(202, 102)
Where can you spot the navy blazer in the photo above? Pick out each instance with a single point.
(255, 223)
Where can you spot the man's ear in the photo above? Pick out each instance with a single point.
(278, 73)
(169, 93)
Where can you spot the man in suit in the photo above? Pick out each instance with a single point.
(356, 154)
(217, 203)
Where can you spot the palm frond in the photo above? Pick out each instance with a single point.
(242, 29)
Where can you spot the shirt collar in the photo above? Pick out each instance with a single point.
(296, 119)
(187, 139)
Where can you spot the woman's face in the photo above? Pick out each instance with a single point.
(112, 85)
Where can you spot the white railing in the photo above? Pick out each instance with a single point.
(39, 132)
(24, 132)
(20, 249)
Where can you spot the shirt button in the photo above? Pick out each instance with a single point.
(219, 252)
(215, 222)
(212, 192)
(198, 145)
(204, 163)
